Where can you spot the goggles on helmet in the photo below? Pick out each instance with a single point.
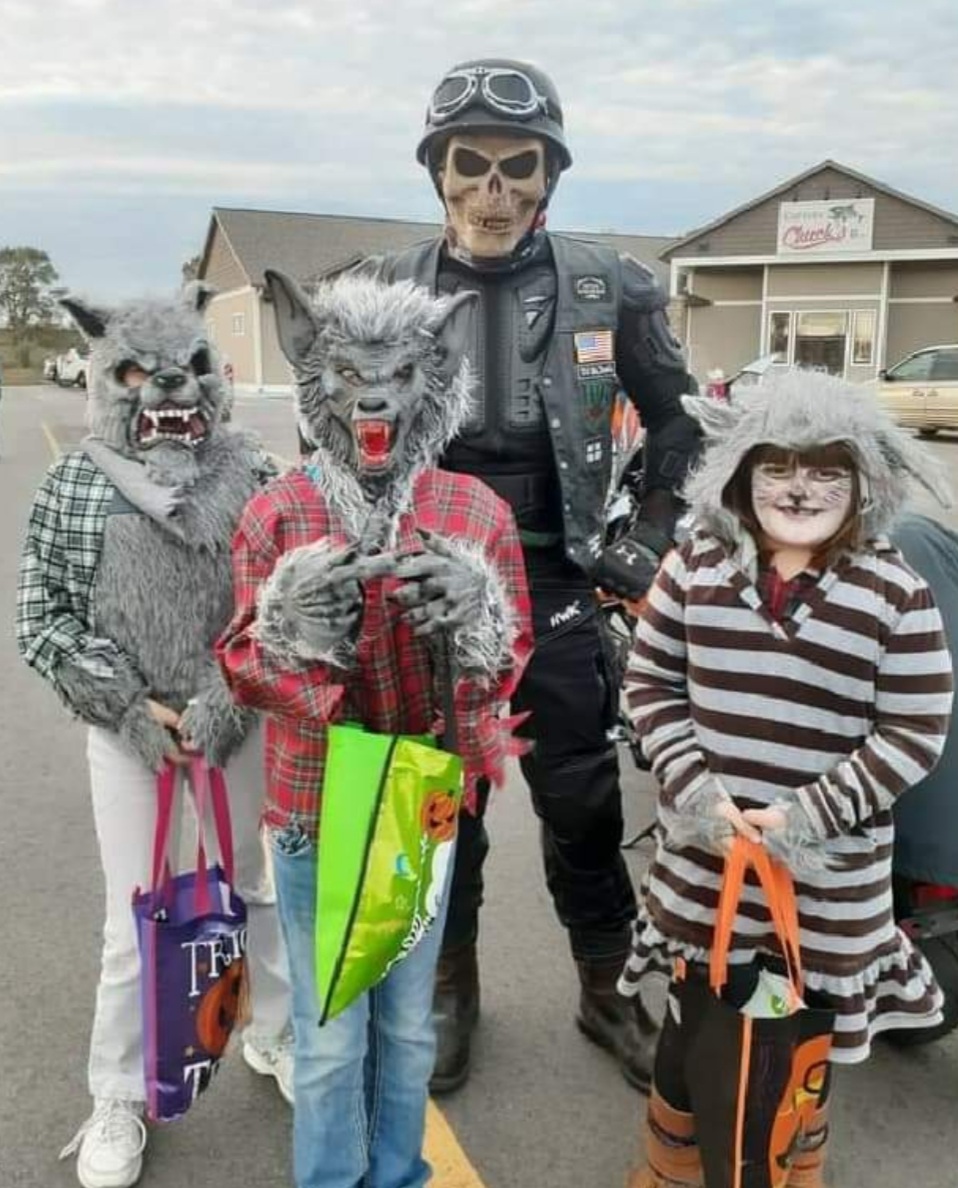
(502, 90)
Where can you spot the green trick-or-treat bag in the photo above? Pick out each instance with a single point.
(388, 820)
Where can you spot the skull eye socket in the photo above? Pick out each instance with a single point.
(469, 163)
(405, 373)
(521, 166)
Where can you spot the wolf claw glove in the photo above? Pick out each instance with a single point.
(452, 588)
(212, 723)
(146, 737)
(310, 608)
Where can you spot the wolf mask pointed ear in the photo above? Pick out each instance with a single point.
(295, 321)
(717, 417)
(197, 295)
(92, 322)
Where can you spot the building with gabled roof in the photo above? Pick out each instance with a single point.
(830, 269)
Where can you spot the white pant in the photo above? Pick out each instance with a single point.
(124, 811)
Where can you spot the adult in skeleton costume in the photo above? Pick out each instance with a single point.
(125, 585)
(363, 580)
(790, 680)
(559, 324)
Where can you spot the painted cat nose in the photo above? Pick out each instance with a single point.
(371, 404)
(170, 379)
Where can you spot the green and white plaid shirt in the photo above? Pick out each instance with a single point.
(58, 570)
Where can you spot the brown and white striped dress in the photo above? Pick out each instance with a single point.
(844, 705)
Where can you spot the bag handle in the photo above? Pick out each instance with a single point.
(776, 883)
(209, 788)
(165, 797)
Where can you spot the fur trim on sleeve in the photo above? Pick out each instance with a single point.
(483, 647)
(697, 822)
(279, 624)
(798, 846)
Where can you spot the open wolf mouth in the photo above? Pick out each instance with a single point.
(171, 422)
(374, 439)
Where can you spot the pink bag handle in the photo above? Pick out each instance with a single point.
(165, 796)
(209, 787)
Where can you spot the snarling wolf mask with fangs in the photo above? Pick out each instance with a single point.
(382, 384)
(154, 391)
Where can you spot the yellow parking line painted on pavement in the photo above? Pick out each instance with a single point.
(450, 1164)
(55, 448)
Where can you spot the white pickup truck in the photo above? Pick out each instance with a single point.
(72, 368)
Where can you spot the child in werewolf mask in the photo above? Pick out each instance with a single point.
(789, 679)
(348, 570)
(125, 584)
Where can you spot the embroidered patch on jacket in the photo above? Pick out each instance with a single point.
(591, 288)
(594, 346)
(593, 451)
(597, 399)
(591, 371)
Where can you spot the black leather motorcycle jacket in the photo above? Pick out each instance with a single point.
(551, 342)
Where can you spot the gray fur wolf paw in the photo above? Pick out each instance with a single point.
(310, 608)
(453, 587)
(214, 725)
(146, 737)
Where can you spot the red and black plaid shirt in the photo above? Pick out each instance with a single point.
(390, 688)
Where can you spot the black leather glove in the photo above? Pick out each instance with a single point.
(628, 567)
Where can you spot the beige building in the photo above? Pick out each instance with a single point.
(831, 269)
(241, 244)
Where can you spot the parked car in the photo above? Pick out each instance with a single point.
(72, 368)
(921, 391)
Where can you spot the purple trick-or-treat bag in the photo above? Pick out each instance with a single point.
(192, 937)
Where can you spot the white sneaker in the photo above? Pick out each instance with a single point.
(273, 1060)
(110, 1145)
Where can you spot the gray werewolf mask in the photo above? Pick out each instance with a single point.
(154, 392)
(382, 383)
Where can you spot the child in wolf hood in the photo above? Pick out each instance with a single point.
(790, 679)
(125, 584)
(348, 570)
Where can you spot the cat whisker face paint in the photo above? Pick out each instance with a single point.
(801, 501)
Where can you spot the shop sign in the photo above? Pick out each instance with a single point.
(821, 228)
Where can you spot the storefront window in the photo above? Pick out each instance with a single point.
(779, 334)
(820, 341)
(863, 338)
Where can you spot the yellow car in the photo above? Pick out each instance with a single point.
(921, 391)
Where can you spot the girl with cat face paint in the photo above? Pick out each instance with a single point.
(789, 679)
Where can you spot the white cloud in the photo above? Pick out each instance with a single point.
(313, 104)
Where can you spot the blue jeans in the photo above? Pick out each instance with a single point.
(361, 1080)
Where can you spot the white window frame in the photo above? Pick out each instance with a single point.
(775, 313)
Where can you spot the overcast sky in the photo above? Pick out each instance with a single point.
(123, 122)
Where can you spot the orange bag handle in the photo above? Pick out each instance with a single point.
(776, 882)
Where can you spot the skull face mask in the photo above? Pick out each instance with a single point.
(493, 187)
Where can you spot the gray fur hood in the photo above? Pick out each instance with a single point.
(798, 410)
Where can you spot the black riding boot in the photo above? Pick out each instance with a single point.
(455, 1012)
(620, 1025)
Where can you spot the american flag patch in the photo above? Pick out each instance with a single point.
(593, 346)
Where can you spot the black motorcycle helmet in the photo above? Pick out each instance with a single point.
(494, 95)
